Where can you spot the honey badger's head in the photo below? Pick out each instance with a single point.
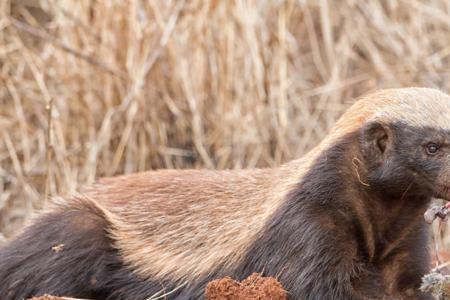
(404, 140)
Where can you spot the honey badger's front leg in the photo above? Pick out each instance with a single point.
(404, 266)
(317, 261)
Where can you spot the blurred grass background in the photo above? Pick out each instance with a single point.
(96, 88)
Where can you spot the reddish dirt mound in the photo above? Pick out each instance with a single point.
(254, 287)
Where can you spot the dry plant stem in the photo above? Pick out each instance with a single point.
(38, 33)
(435, 282)
(440, 212)
(163, 295)
(440, 267)
(141, 85)
(50, 149)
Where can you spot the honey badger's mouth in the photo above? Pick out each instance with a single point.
(442, 192)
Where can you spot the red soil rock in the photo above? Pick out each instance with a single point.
(253, 287)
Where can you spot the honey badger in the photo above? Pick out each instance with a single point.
(344, 222)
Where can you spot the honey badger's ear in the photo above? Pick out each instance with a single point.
(376, 138)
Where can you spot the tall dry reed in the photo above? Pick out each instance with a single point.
(134, 85)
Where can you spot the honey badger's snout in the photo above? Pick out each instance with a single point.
(438, 171)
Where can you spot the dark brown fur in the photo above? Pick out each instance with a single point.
(326, 251)
(343, 223)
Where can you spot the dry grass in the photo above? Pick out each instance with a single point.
(133, 85)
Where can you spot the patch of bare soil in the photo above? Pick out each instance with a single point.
(254, 287)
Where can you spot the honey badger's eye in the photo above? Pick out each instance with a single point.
(432, 149)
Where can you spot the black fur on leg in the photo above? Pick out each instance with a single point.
(68, 253)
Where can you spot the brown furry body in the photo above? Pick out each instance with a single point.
(339, 223)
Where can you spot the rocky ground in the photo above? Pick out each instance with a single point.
(254, 287)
